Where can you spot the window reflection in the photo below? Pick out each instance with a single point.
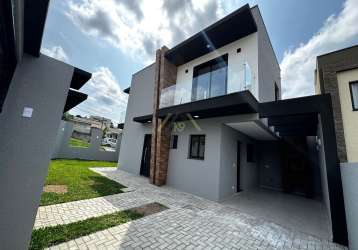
(210, 79)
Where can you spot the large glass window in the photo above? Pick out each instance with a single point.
(354, 94)
(210, 79)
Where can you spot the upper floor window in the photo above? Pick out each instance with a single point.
(210, 79)
(354, 94)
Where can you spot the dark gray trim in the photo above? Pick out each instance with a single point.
(143, 118)
(198, 157)
(319, 105)
(79, 78)
(73, 99)
(232, 104)
(35, 13)
(127, 90)
(351, 91)
(216, 36)
(8, 58)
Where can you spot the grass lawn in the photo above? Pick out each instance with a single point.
(81, 182)
(78, 143)
(49, 236)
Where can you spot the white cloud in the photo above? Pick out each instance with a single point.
(56, 52)
(298, 65)
(105, 97)
(138, 27)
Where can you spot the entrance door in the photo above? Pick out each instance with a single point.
(238, 154)
(145, 164)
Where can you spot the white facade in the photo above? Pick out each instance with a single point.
(214, 177)
(236, 66)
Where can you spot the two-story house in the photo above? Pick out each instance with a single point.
(207, 118)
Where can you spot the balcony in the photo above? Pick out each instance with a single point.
(236, 81)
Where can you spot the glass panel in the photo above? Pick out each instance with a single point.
(194, 146)
(202, 83)
(355, 95)
(218, 80)
(167, 96)
(248, 78)
(202, 147)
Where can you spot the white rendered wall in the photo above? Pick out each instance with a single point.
(140, 103)
(249, 50)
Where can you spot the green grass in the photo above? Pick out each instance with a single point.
(78, 143)
(49, 236)
(81, 182)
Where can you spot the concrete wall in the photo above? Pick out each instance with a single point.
(268, 67)
(228, 163)
(214, 177)
(349, 172)
(92, 153)
(27, 143)
(349, 117)
(140, 103)
(200, 177)
(235, 76)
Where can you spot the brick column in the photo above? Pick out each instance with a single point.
(165, 76)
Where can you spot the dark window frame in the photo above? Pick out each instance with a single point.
(174, 142)
(211, 64)
(352, 99)
(197, 156)
(277, 92)
(250, 153)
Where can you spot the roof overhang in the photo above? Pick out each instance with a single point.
(232, 104)
(215, 36)
(73, 99)
(255, 129)
(294, 117)
(79, 78)
(127, 90)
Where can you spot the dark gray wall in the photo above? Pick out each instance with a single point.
(92, 153)
(27, 143)
(140, 103)
(270, 165)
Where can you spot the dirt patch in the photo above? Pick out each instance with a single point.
(149, 209)
(58, 189)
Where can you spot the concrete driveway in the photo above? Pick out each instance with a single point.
(190, 222)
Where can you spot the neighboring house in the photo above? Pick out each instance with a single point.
(113, 133)
(206, 118)
(337, 74)
(35, 91)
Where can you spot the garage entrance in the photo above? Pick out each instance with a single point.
(294, 179)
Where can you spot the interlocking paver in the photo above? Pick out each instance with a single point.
(190, 222)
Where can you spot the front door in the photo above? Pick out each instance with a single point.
(145, 164)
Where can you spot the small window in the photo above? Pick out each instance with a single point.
(250, 156)
(197, 147)
(174, 142)
(354, 94)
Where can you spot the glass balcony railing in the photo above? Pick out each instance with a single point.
(237, 80)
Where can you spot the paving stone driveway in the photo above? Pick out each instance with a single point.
(190, 223)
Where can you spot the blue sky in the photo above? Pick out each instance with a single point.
(115, 38)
